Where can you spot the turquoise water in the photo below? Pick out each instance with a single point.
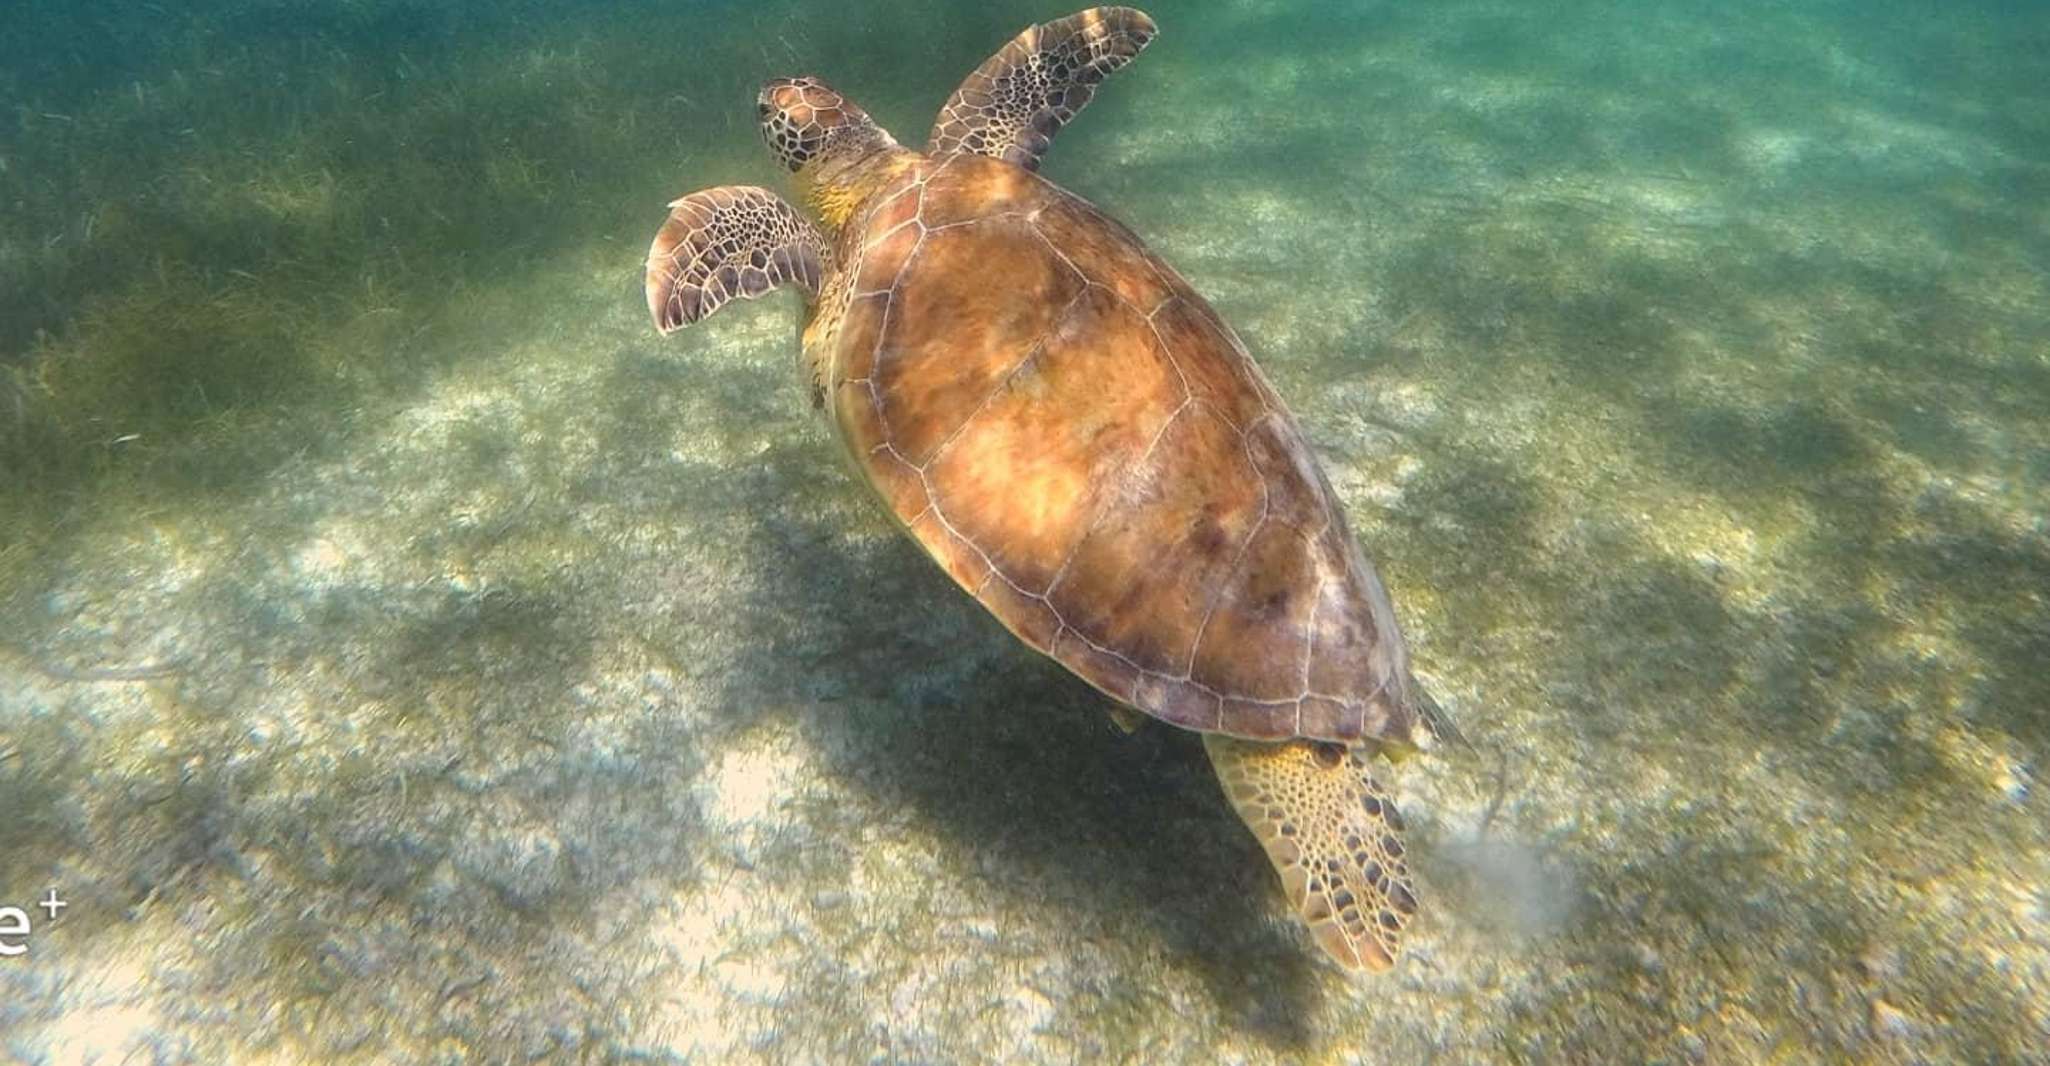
(405, 655)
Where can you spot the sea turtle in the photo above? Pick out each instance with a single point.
(1079, 440)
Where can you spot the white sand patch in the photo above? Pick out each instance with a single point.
(749, 785)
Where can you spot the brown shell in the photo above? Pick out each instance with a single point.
(1080, 441)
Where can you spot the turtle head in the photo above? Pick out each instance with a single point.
(837, 152)
(805, 121)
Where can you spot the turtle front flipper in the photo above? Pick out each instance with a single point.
(733, 241)
(1014, 103)
(1332, 833)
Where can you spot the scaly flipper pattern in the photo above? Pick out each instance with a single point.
(1014, 103)
(733, 241)
(1334, 836)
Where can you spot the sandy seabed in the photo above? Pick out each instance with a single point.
(406, 656)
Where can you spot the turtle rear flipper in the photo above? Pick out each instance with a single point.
(732, 241)
(1332, 833)
(1014, 103)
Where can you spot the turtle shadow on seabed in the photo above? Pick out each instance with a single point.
(1104, 842)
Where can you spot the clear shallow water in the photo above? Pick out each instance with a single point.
(405, 655)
